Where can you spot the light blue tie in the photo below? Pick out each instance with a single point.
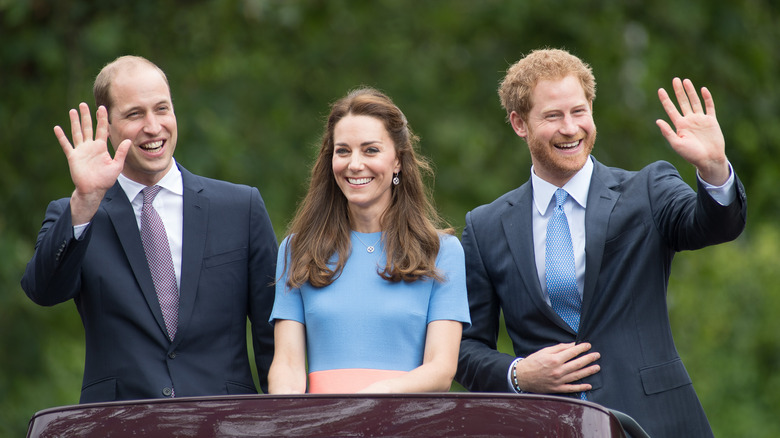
(559, 266)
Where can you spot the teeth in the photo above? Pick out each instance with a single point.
(358, 181)
(568, 145)
(152, 145)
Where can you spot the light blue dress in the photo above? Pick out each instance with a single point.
(362, 321)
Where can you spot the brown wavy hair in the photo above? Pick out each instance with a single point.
(321, 226)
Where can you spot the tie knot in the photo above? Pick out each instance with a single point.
(560, 197)
(152, 191)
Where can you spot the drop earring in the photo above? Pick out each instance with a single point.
(396, 180)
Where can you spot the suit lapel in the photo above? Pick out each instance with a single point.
(122, 216)
(601, 202)
(517, 222)
(195, 211)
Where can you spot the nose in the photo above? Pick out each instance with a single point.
(568, 127)
(355, 163)
(151, 124)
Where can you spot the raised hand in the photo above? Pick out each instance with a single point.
(92, 168)
(696, 136)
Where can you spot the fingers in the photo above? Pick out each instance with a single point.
(687, 98)
(553, 349)
(709, 102)
(693, 97)
(102, 124)
(569, 351)
(80, 124)
(666, 130)
(63, 140)
(75, 127)
(577, 350)
(669, 107)
(582, 366)
(682, 98)
(86, 121)
(81, 127)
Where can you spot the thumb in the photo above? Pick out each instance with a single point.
(121, 151)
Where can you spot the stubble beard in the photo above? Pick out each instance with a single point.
(560, 168)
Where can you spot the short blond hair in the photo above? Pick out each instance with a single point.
(542, 64)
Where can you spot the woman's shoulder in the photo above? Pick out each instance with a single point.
(449, 243)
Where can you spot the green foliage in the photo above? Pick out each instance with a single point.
(252, 81)
(723, 305)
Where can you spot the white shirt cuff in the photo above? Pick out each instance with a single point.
(78, 230)
(724, 194)
(510, 379)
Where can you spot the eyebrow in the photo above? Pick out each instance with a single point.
(141, 107)
(365, 143)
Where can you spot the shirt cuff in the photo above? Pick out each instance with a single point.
(511, 377)
(78, 230)
(724, 194)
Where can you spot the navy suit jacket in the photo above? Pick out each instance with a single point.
(228, 265)
(635, 222)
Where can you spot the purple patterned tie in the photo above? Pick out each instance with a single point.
(158, 255)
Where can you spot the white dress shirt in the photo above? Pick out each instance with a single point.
(169, 204)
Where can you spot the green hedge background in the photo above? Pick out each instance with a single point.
(252, 81)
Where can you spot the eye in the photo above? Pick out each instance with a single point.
(341, 151)
(371, 150)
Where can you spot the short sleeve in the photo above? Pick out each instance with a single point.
(449, 299)
(288, 303)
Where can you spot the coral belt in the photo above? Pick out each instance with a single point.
(349, 380)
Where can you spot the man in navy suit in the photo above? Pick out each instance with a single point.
(614, 344)
(90, 249)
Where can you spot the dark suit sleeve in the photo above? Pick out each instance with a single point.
(262, 261)
(691, 220)
(481, 367)
(53, 275)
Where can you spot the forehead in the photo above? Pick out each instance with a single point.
(360, 127)
(138, 85)
(550, 94)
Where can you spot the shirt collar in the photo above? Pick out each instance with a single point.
(577, 187)
(171, 182)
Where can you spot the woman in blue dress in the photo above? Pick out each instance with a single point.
(369, 289)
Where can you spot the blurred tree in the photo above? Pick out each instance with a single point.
(252, 81)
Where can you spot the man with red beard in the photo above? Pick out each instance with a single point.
(165, 267)
(578, 258)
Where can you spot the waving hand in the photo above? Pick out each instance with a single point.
(92, 168)
(696, 136)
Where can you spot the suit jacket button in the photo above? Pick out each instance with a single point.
(167, 391)
(172, 355)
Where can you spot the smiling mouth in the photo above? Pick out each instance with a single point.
(568, 146)
(152, 146)
(359, 181)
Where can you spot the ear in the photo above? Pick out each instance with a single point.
(518, 124)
